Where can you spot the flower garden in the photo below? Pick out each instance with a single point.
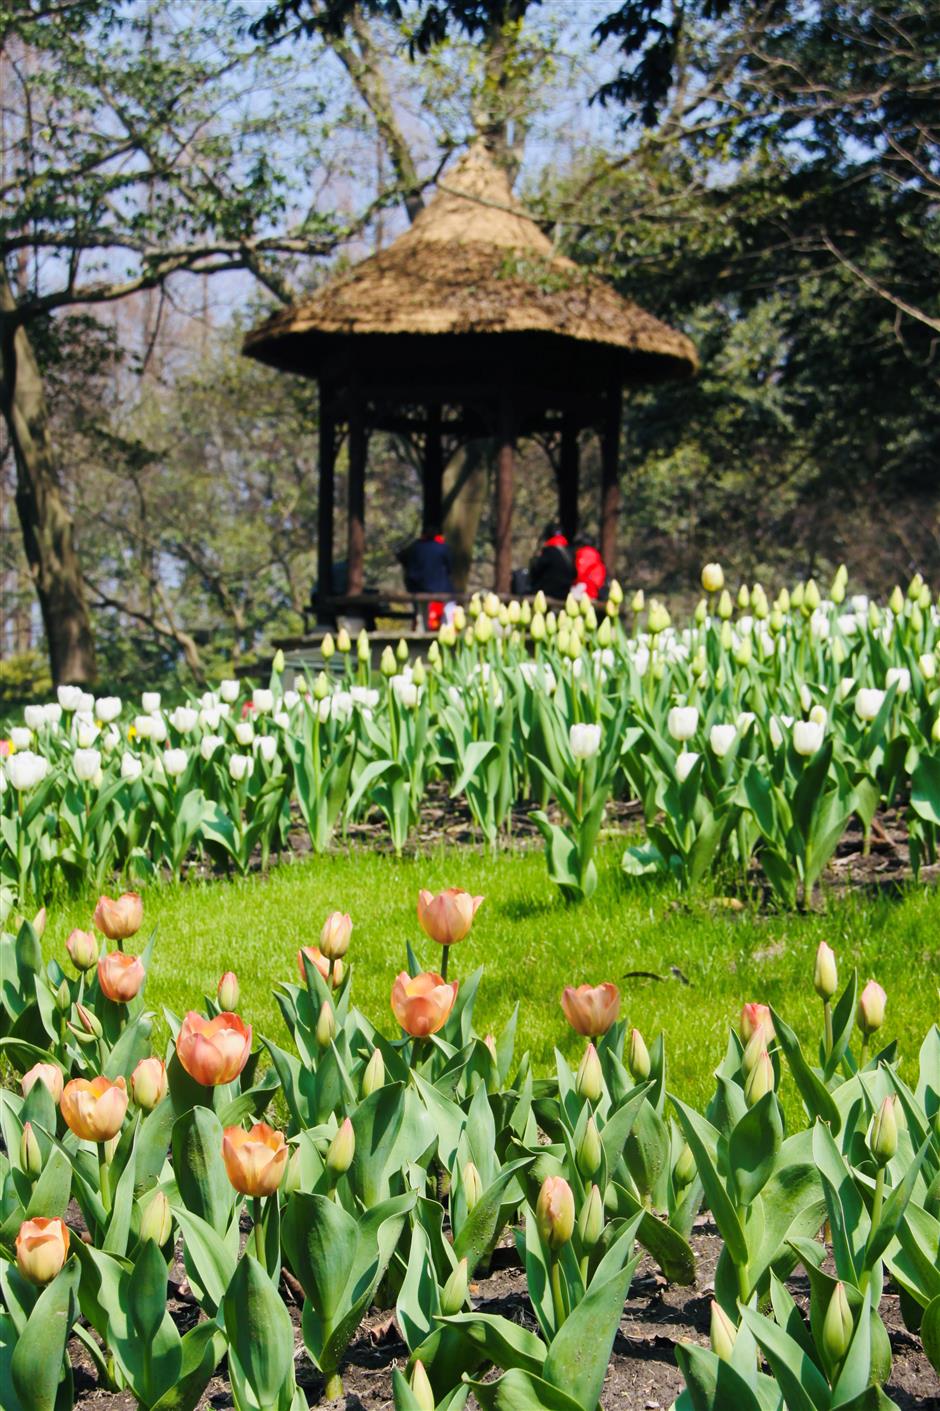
(408, 1203)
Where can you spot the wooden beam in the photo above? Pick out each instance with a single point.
(326, 498)
(568, 477)
(356, 502)
(433, 480)
(610, 476)
(505, 471)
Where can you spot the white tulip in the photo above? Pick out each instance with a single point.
(682, 722)
(35, 716)
(685, 763)
(848, 624)
(86, 764)
(845, 687)
(159, 729)
(86, 702)
(209, 744)
(143, 724)
(900, 676)
(240, 766)
(21, 737)
(819, 716)
(228, 690)
(406, 692)
(342, 703)
(107, 708)
(244, 732)
(52, 712)
(928, 665)
(267, 746)
(262, 699)
(111, 737)
(131, 767)
(86, 735)
(721, 738)
(25, 769)
(807, 737)
(585, 740)
(776, 734)
(208, 700)
(291, 699)
(744, 721)
(210, 717)
(868, 702)
(69, 697)
(324, 709)
(175, 762)
(184, 719)
(150, 700)
(365, 696)
(806, 699)
(281, 718)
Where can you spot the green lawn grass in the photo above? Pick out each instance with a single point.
(532, 944)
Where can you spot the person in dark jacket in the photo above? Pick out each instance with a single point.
(552, 570)
(427, 569)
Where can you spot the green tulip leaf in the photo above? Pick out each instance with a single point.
(753, 1148)
(259, 1332)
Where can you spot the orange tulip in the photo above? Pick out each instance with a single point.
(149, 1083)
(334, 938)
(82, 947)
(94, 1110)
(119, 918)
(120, 976)
(42, 1247)
(591, 1009)
(317, 958)
(447, 917)
(48, 1073)
(255, 1160)
(213, 1051)
(754, 1017)
(421, 1005)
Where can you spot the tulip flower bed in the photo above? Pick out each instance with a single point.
(749, 739)
(163, 1209)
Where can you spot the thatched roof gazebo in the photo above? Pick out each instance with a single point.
(469, 325)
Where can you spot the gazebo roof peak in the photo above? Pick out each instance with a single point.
(474, 205)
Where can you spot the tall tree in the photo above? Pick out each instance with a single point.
(137, 144)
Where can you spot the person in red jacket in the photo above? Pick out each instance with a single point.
(590, 569)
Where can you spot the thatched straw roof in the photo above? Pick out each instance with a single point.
(473, 262)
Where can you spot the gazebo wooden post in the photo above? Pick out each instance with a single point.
(568, 475)
(505, 469)
(610, 475)
(325, 499)
(433, 480)
(356, 512)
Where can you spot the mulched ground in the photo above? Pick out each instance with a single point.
(642, 1375)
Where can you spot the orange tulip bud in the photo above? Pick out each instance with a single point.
(119, 918)
(334, 937)
(591, 1009)
(42, 1247)
(213, 1051)
(94, 1110)
(228, 992)
(48, 1073)
(120, 976)
(871, 1008)
(149, 1083)
(756, 1016)
(82, 947)
(256, 1160)
(316, 958)
(422, 1004)
(554, 1212)
(448, 916)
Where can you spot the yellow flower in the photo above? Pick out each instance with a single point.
(132, 732)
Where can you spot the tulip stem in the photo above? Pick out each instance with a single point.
(104, 1181)
(878, 1200)
(334, 1387)
(827, 1015)
(863, 1056)
(444, 960)
(558, 1294)
(259, 1233)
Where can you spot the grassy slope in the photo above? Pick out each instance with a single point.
(532, 945)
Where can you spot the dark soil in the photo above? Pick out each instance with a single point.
(642, 1376)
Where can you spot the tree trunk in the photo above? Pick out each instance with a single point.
(45, 520)
(465, 494)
